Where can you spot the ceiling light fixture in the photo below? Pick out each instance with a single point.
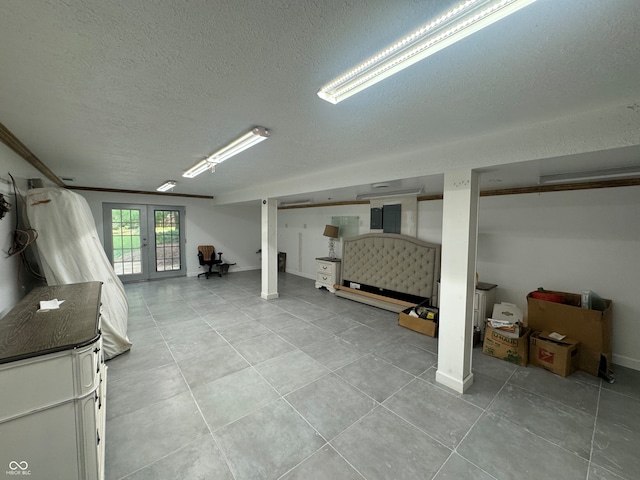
(460, 22)
(249, 139)
(591, 175)
(296, 203)
(399, 193)
(166, 186)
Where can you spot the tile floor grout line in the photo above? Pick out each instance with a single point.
(546, 440)
(195, 401)
(595, 426)
(382, 405)
(485, 411)
(553, 400)
(374, 352)
(183, 447)
(523, 387)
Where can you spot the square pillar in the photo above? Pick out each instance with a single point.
(269, 247)
(457, 278)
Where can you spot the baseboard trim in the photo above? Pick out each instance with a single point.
(625, 362)
(454, 383)
(301, 274)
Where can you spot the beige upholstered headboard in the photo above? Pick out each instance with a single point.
(392, 262)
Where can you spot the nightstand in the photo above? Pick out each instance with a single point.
(483, 302)
(327, 273)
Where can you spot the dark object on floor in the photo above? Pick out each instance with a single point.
(224, 268)
(207, 257)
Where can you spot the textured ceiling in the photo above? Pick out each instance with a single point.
(121, 94)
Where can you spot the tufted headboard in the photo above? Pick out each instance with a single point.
(393, 263)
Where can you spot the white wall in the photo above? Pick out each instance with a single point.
(300, 234)
(567, 241)
(233, 230)
(14, 282)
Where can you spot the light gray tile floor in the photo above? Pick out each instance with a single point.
(221, 384)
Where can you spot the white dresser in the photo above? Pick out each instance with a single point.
(483, 301)
(327, 273)
(53, 378)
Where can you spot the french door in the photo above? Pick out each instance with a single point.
(144, 241)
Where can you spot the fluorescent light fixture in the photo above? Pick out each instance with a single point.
(399, 193)
(166, 186)
(249, 139)
(297, 203)
(591, 175)
(198, 168)
(467, 18)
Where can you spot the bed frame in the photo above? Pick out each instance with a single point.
(389, 271)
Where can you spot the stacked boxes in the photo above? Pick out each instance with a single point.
(511, 349)
(592, 328)
(509, 341)
(557, 356)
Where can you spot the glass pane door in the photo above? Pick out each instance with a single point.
(169, 254)
(125, 239)
(136, 255)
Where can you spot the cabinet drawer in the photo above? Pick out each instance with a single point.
(326, 268)
(327, 279)
(89, 364)
(35, 383)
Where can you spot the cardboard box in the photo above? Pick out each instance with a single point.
(592, 328)
(557, 356)
(514, 350)
(427, 326)
(507, 318)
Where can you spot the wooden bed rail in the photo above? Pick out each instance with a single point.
(375, 296)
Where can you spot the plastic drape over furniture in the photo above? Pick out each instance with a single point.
(71, 252)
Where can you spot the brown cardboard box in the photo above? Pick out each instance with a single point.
(506, 313)
(514, 350)
(557, 356)
(422, 325)
(591, 328)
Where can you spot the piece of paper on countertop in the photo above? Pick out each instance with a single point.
(46, 305)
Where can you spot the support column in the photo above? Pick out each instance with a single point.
(457, 279)
(269, 247)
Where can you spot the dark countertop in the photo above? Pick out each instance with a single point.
(26, 333)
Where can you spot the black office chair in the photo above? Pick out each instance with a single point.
(207, 257)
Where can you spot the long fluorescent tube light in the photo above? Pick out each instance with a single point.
(166, 186)
(460, 22)
(298, 203)
(591, 175)
(249, 139)
(400, 193)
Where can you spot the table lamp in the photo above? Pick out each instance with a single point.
(331, 231)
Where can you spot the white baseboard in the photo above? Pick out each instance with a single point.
(454, 383)
(626, 362)
(301, 274)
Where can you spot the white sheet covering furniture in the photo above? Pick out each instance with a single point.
(70, 252)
